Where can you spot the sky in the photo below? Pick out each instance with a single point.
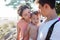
(7, 12)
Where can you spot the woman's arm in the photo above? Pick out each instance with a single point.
(18, 31)
(27, 31)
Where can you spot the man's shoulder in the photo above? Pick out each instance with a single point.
(48, 24)
(57, 24)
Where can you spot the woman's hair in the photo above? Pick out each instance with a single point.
(21, 9)
(35, 12)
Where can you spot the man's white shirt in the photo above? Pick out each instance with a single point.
(43, 29)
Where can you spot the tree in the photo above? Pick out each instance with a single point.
(58, 8)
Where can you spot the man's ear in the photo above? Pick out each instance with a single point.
(46, 6)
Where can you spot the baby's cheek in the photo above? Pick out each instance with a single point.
(33, 21)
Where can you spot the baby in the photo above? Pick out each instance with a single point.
(33, 26)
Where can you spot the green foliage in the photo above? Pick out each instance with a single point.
(15, 3)
(58, 8)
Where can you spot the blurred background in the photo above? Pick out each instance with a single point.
(9, 16)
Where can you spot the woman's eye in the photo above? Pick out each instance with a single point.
(25, 14)
(37, 18)
(34, 18)
(29, 12)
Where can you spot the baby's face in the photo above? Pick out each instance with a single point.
(35, 19)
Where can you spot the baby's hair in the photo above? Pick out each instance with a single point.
(35, 12)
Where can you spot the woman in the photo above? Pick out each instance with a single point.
(24, 12)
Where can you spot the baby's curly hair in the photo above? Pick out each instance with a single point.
(35, 12)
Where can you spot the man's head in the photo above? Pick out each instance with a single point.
(51, 3)
(46, 6)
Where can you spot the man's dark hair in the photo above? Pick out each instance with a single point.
(21, 9)
(51, 3)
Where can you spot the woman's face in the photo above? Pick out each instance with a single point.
(26, 14)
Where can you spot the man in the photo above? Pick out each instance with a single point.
(48, 10)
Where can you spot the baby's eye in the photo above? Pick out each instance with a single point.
(33, 18)
(37, 18)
